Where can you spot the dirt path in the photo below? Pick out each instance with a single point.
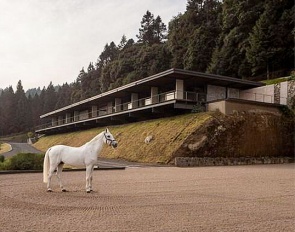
(237, 198)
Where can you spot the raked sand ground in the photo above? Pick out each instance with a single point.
(236, 198)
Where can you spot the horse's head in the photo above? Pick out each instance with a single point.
(109, 139)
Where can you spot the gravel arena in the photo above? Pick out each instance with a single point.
(231, 198)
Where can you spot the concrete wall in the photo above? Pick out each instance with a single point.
(280, 93)
(217, 105)
(261, 94)
(229, 106)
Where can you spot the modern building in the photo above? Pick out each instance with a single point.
(167, 93)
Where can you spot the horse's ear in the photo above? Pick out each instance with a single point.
(107, 130)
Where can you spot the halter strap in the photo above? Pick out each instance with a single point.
(108, 139)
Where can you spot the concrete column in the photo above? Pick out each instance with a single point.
(154, 95)
(118, 104)
(179, 89)
(283, 95)
(68, 117)
(134, 100)
(60, 120)
(54, 121)
(94, 111)
(110, 107)
(76, 116)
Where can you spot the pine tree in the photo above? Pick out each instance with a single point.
(152, 30)
(8, 112)
(178, 39)
(122, 43)
(63, 96)
(23, 109)
(238, 19)
(36, 106)
(192, 36)
(146, 32)
(203, 40)
(159, 30)
(271, 42)
(50, 99)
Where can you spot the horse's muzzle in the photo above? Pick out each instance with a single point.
(114, 144)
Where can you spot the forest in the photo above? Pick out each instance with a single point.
(245, 39)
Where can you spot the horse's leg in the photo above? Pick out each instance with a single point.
(51, 171)
(88, 177)
(58, 174)
(91, 177)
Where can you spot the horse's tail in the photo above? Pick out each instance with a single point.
(46, 166)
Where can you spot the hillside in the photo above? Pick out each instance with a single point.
(191, 135)
(168, 134)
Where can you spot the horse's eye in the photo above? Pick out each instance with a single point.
(108, 136)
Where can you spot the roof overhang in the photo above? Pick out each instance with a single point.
(161, 79)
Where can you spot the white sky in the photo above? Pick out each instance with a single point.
(51, 40)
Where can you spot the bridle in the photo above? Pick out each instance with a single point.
(108, 139)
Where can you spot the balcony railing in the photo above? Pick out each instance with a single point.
(125, 107)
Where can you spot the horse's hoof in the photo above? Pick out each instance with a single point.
(64, 190)
(88, 191)
(49, 190)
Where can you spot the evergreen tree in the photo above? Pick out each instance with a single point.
(63, 96)
(36, 106)
(152, 30)
(146, 32)
(122, 43)
(192, 36)
(203, 40)
(160, 30)
(178, 39)
(238, 19)
(8, 112)
(109, 54)
(23, 109)
(50, 99)
(271, 42)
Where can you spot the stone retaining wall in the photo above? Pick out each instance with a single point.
(220, 161)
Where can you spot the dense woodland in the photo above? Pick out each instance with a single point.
(242, 39)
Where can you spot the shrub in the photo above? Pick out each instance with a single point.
(30, 134)
(26, 161)
(5, 165)
(2, 158)
(198, 108)
(286, 111)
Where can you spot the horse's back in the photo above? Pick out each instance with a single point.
(67, 154)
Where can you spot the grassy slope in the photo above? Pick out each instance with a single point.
(277, 80)
(4, 147)
(168, 134)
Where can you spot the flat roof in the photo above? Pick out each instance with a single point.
(160, 79)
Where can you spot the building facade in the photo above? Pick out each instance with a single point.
(171, 92)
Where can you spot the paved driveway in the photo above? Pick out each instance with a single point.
(233, 198)
(21, 148)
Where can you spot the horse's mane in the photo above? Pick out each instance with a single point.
(94, 139)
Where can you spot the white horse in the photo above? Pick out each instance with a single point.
(86, 155)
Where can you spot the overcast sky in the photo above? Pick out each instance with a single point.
(51, 40)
